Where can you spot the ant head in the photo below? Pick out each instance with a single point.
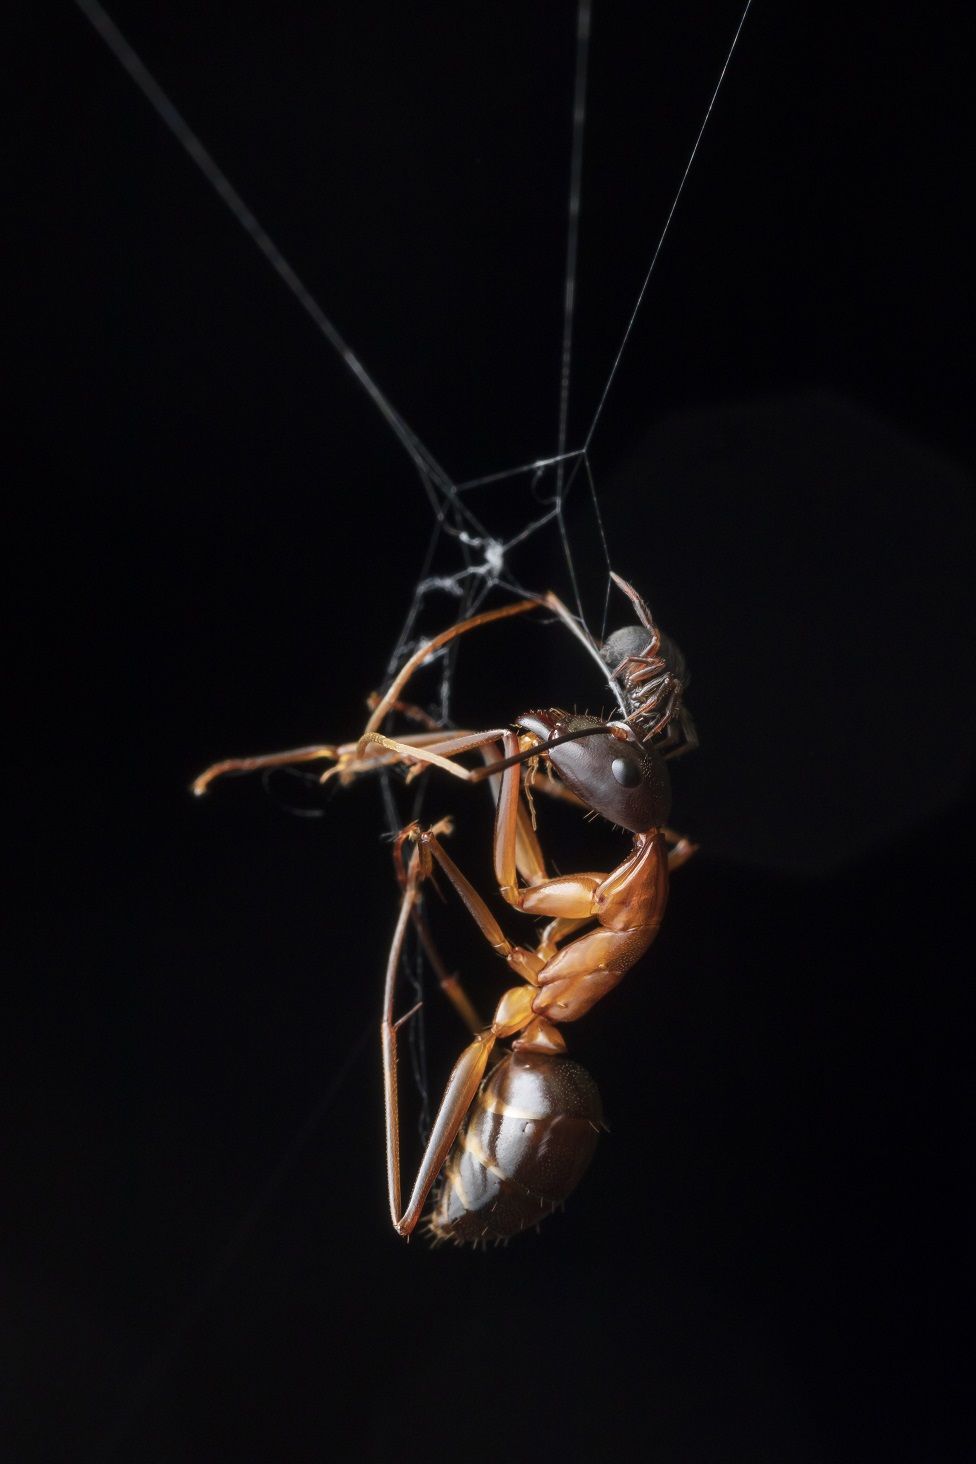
(605, 766)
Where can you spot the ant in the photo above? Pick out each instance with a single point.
(511, 1141)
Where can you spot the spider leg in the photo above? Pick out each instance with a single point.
(554, 603)
(643, 613)
(680, 735)
(674, 691)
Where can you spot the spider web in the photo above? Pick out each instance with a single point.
(466, 559)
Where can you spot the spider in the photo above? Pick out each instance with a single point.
(514, 1134)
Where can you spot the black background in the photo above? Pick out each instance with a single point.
(215, 541)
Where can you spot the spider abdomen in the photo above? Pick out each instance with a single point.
(529, 1139)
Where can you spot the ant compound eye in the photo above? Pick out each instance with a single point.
(621, 780)
(627, 773)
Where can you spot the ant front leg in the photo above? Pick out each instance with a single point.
(348, 759)
(565, 897)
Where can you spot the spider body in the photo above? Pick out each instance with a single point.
(513, 1135)
(652, 674)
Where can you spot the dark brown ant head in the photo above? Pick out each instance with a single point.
(615, 775)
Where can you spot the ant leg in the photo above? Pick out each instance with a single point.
(433, 754)
(570, 896)
(348, 762)
(200, 785)
(512, 1015)
(528, 851)
(524, 962)
(681, 851)
(392, 694)
(447, 980)
(556, 931)
(530, 865)
(351, 759)
(461, 1086)
(412, 713)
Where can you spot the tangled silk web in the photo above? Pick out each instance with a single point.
(465, 561)
(477, 561)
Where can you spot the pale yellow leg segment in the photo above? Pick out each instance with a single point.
(439, 755)
(348, 762)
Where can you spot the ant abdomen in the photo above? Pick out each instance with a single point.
(528, 1141)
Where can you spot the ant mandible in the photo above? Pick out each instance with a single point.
(513, 1144)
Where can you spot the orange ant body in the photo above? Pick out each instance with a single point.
(512, 1140)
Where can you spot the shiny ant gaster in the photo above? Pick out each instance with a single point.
(512, 1145)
